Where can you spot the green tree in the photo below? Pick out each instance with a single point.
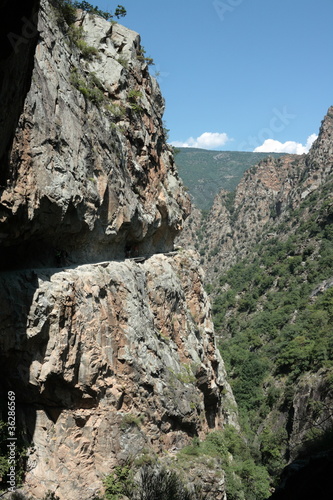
(68, 8)
(120, 11)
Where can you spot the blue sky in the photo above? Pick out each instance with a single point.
(239, 74)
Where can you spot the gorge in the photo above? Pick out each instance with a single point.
(147, 346)
(110, 360)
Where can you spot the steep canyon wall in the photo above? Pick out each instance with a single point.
(109, 358)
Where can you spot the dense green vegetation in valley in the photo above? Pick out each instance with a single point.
(273, 315)
(245, 478)
(273, 312)
(205, 172)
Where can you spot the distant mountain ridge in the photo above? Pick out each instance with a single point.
(205, 172)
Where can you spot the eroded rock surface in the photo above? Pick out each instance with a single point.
(110, 359)
(89, 173)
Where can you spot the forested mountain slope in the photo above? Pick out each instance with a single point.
(268, 254)
(205, 172)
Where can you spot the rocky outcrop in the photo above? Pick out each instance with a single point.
(106, 335)
(89, 173)
(109, 361)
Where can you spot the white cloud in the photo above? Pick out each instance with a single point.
(207, 140)
(272, 146)
(311, 140)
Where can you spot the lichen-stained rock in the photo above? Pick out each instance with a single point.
(112, 360)
(89, 173)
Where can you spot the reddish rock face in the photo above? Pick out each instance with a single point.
(111, 361)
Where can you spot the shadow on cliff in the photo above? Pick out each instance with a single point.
(18, 39)
(52, 239)
(307, 479)
(309, 476)
(24, 336)
(16, 356)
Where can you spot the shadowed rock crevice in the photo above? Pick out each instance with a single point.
(211, 400)
(18, 39)
(307, 479)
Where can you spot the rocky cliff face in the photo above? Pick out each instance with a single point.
(263, 198)
(88, 173)
(110, 359)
